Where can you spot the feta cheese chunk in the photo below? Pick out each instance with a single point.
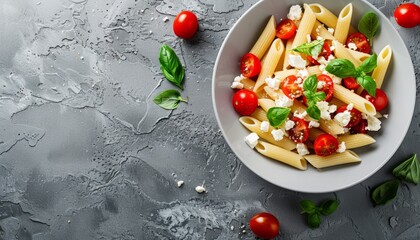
(352, 46)
(295, 13)
(326, 109)
(300, 115)
(302, 149)
(252, 140)
(237, 85)
(277, 134)
(350, 106)
(239, 78)
(296, 61)
(308, 38)
(200, 189)
(284, 101)
(313, 124)
(341, 147)
(343, 118)
(303, 73)
(374, 124)
(165, 19)
(320, 85)
(331, 30)
(289, 125)
(273, 83)
(180, 183)
(265, 126)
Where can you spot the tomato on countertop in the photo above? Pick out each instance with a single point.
(185, 24)
(264, 225)
(407, 15)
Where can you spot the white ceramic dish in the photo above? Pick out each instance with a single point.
(399, 85)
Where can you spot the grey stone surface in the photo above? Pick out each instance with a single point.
(86, 154)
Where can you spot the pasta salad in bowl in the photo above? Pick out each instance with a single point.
(318, 95)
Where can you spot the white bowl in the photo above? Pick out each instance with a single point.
(399, 85)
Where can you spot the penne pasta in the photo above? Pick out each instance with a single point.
(259, 114)
(361, 56)
(320, 31)
(287, 51)
(342, 52)
(306, 26)
(334, 159)
(281, 155)
(324, 15)
(266, 104)
(343, 23)
(356, 140)
(265, 39)
(248, 83)
(384, 59)
(358, 102)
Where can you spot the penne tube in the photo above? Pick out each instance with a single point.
(343, 23)
(358, 102)
(288, 50)
(281, 155)
(326, 17)
(253, 125)
(305, 27)
(272, 93)
(270, 63)
(314, 133)
(334, 159)
(384, 59)
(284, 73)
(259, 114)
(338, 103)
(320, 31)
(248, 83)
(342, 52)
(265, 39)
(356, 140)
(361, 56)
(266, 104)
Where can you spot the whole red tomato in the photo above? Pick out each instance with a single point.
(407, 15)
(185, 24)
(264, 225)
(245, 102)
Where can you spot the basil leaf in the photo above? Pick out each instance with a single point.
(318, 96)
(314, 112)
(277, 115)
(169, 99)
(314, 220)
(409, 170)
(341, 68)
(171, 66)
(368, 83)
(308, 206)
(329, 206)
(313, 48)
(369, 64)
(309, 96)
(310, 83)
(385, 192)
(369, 25)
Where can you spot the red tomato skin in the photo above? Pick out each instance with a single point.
(185, 24)
(380, 101)
(360, 40)
(286, 29)
(328, 86)
(245, 102)
(326, 50)
(350, 83)
(250, 65)
(407, 15)
(359, 128)
(290, 88)
(264, 225)
(312, 61)
(356, 116)
(300, 132)
(325, 145)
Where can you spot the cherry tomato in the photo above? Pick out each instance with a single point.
(407, 15)
(356, 115)
(185, 24)
(264, 225)
(312, 61)
(328, 86)
(350, 83)
(245, 102)
(300, 132)
(290, 87)
(250, 65)
(360, 40)
(286, 29)
(359, 128)
(326, 50)
(380, 101)
(325, 144)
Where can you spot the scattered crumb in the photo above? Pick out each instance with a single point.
(385, 115)
(180, 183)
(393, 222)
(232, 228)
(82, 58)
(165, 19)
(200, 189)
(69, 221)
(150, 32)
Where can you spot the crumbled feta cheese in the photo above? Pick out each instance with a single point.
(313, 124)
(317, 29)
(284, 101)
(289, 125)
(295, 13)
(273, 83)
(296, 61)
(321, 84)
(321, 67)
(302, 149)
(252, 140)
(303, 73)
(200, 189)
(237, 85)
(341, 147)
(319, 38)
(277, 134)
(385, 115)
(180, 183)
(374, 124)
(343, 118)
(326, 109)
(332, 47)
(264, 126)
(300, 115)
(352, 46)
(322, 60)
(331, 30)
(165, 19)
(330, 57)
(350, 106)
(239, 78)
(308, 38)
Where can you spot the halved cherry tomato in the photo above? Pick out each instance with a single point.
(359, 128)
(328, 87)
(245, 102)
(286, 29)
(264, 225)
(300, 132)
(326, 51)
(350, 83)
(356, 116)
(380, 101)
(250, 65)
(312, 61)
(325, 144)
(360, 40)
(291, 88)
(185, 24)
(407, 15)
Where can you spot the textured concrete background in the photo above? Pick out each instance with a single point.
(86, 154)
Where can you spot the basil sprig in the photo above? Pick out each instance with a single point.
(369, 25)
(171, 66)
(314, 212)
(277, 115)
(313, 48)
(343, 68)
(385, 192)
(409, 170)
(169, 99)
(310, 86)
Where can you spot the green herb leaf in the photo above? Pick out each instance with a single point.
(318, 96)
(369, 25)
(308, 206)
(277, 115)
(329, 206)
(409, 170)
(313, 48)
(171, 66)
(169, 99)
(385, 192)
(314, 112)
(314, 220)
(310, 83)
(341, 68)
(368, 65)
(368, 83)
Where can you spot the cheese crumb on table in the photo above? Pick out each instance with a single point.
(180, 183)
(200, 189)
